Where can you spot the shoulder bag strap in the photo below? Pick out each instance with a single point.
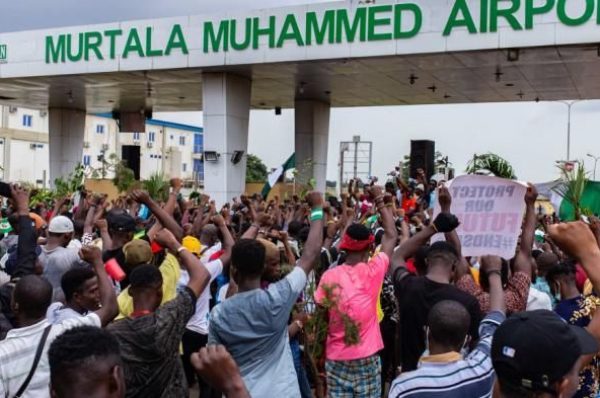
(36, 360)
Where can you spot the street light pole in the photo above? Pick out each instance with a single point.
(569, 105)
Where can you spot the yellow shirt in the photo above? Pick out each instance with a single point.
(170, 273)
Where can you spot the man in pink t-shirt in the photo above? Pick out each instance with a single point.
(353, 370)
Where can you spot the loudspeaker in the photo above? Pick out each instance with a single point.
(422, 154)
(131, 155)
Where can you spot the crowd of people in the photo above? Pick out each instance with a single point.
(134, 298)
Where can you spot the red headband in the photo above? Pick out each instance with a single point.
(353, 245)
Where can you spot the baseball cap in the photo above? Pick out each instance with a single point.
(534, 349)
(137, 252)
(192, 244)
(61, 225)
(119, 220)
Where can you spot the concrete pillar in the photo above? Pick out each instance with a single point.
(226, 111)
(66, 128)
(312, 138)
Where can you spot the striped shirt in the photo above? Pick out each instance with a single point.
(17, 352)
(471, 377)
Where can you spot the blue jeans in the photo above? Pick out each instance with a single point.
(300, 371)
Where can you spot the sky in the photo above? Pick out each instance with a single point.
(18, 15)
(531, 136)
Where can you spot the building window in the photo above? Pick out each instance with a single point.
(198, 170)
(198, 143)
(184, 167)
(100, 128)
(27, 119)
(151, 136)
(136, 136)
(86, 160)
(182, 140)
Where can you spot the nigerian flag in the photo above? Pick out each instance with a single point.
(278, 172)
(590, 201)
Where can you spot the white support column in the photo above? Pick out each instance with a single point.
(66, 129)
(226, 112)
(312, 138)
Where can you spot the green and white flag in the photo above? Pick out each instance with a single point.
(590, 200)
(278, 172)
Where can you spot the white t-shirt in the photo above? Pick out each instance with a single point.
(58, 312)
(18, 350)
(537, 300)
(199, 321)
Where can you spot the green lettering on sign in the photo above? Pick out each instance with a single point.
(74, 57)
(218, 40)
(247, 35)
(55, 51)
(133, 44)
(112, 36)
(417, 15)
(325, 29)
(257, 31)
(374, 22)
(345, 29)
(483, 16)
(570, 21)
(3, 52)
(93, 40)
(176, 40)
(150, 52)
(460, 6)
(531, 11)
(290, 23)
(506, 13)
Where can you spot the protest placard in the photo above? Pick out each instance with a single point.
(490, 210)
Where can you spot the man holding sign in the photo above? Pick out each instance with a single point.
(490, 210)
(516, 281)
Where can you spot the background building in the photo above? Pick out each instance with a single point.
(172, 149)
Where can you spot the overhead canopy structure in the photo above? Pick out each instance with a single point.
(316, 55)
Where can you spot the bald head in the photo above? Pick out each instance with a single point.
(546, 261)
(32, 297)
(448, 323)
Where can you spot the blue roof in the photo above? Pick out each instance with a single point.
(161, 123)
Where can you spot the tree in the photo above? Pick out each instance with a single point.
(490, 163)
(256, 171)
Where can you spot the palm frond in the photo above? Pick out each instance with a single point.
(157, 186)
(491, 164)
(574, 182)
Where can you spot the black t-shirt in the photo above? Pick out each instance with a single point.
(416, 296)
